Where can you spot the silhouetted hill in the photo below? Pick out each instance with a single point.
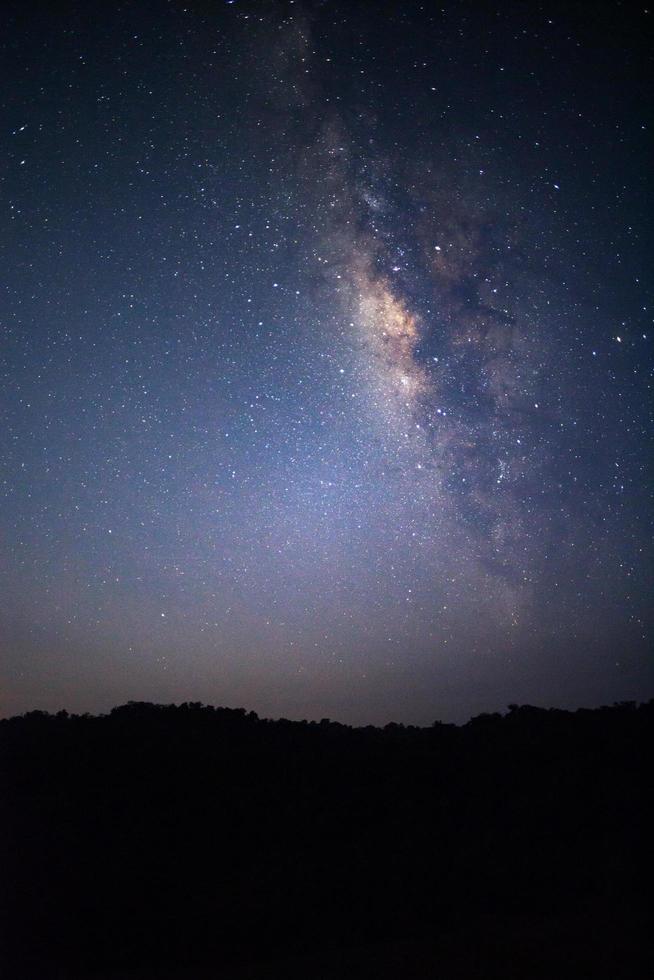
(194, 841)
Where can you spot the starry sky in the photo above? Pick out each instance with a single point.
(326, 356)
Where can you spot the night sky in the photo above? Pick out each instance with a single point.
(326, 357)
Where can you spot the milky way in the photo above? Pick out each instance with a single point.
(328, 344)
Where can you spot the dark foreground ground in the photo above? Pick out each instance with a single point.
(191, 842)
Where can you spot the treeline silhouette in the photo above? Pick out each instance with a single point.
(182, 841)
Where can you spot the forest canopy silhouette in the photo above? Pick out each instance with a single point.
(187, 837)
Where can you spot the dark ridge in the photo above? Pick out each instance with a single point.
(191, 841)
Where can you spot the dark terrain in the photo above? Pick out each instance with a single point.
(163, 841)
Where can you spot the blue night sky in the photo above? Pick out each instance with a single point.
(326, 357)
